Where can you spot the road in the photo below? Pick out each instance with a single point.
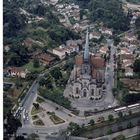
(109, 76)
(63, 113)
(28, 101)
(32, 94)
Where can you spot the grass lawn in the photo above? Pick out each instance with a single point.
(31, 68)
(19, 91)
(14, 92)
(56, 120)
(39, 100)
(35, 117)
(38, 122)
(35, 111)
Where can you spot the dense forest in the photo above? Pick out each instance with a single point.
(110, 12)
(16, 25)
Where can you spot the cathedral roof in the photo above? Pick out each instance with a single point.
(79, 60)
(97, 62)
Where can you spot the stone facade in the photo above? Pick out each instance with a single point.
(88, 76)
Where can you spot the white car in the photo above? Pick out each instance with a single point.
(109, 106)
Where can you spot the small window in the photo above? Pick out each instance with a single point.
(85, 93)
(92, 92)
(99, 92)
(77, 90)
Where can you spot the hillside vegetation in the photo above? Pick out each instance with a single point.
(31, 19)
(110, 12)
(46, 28)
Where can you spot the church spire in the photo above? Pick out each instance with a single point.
(86, 51)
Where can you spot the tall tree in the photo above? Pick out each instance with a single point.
(136, 66)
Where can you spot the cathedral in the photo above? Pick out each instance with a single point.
(88, 76)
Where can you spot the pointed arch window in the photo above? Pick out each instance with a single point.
(92, 92)
(77, 90)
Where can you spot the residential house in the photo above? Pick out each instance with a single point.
(124, 50)
(44, 58)
(127, 63)
(128, 71)
(106, 31)
(94, 35)
(126, 57)
(129, 37)
(103, 50)
(131, 84)
(76, 27)
(62, 51)
(16, 71)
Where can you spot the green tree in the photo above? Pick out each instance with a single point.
(74, 129)
(18, 83)
(36, 105)
(110, 117)
(40, 10)
(137, 23)
(114, 92)
(12, 124)
(120, 114)
(130, 112)
(129, 125)
(110, 13)
(81, 14)
(131, 98)
(136, 66)
(138, 123)
(55, 95)
(92, 122)
(46, 81)
(36, 63)
(33, 136)
(20, 138)
(120, 137)
(116, 40)
(56, 73)
(31, 76)
(109, 131)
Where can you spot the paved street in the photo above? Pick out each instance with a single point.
(109, 77)
(65, 114)
(28, 101)
(32, 94)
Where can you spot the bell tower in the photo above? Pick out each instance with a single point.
(86, 50)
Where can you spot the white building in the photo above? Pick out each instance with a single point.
(94, 35)
(106, 31)
(62, 51)
(103, 50)
(128, 71)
